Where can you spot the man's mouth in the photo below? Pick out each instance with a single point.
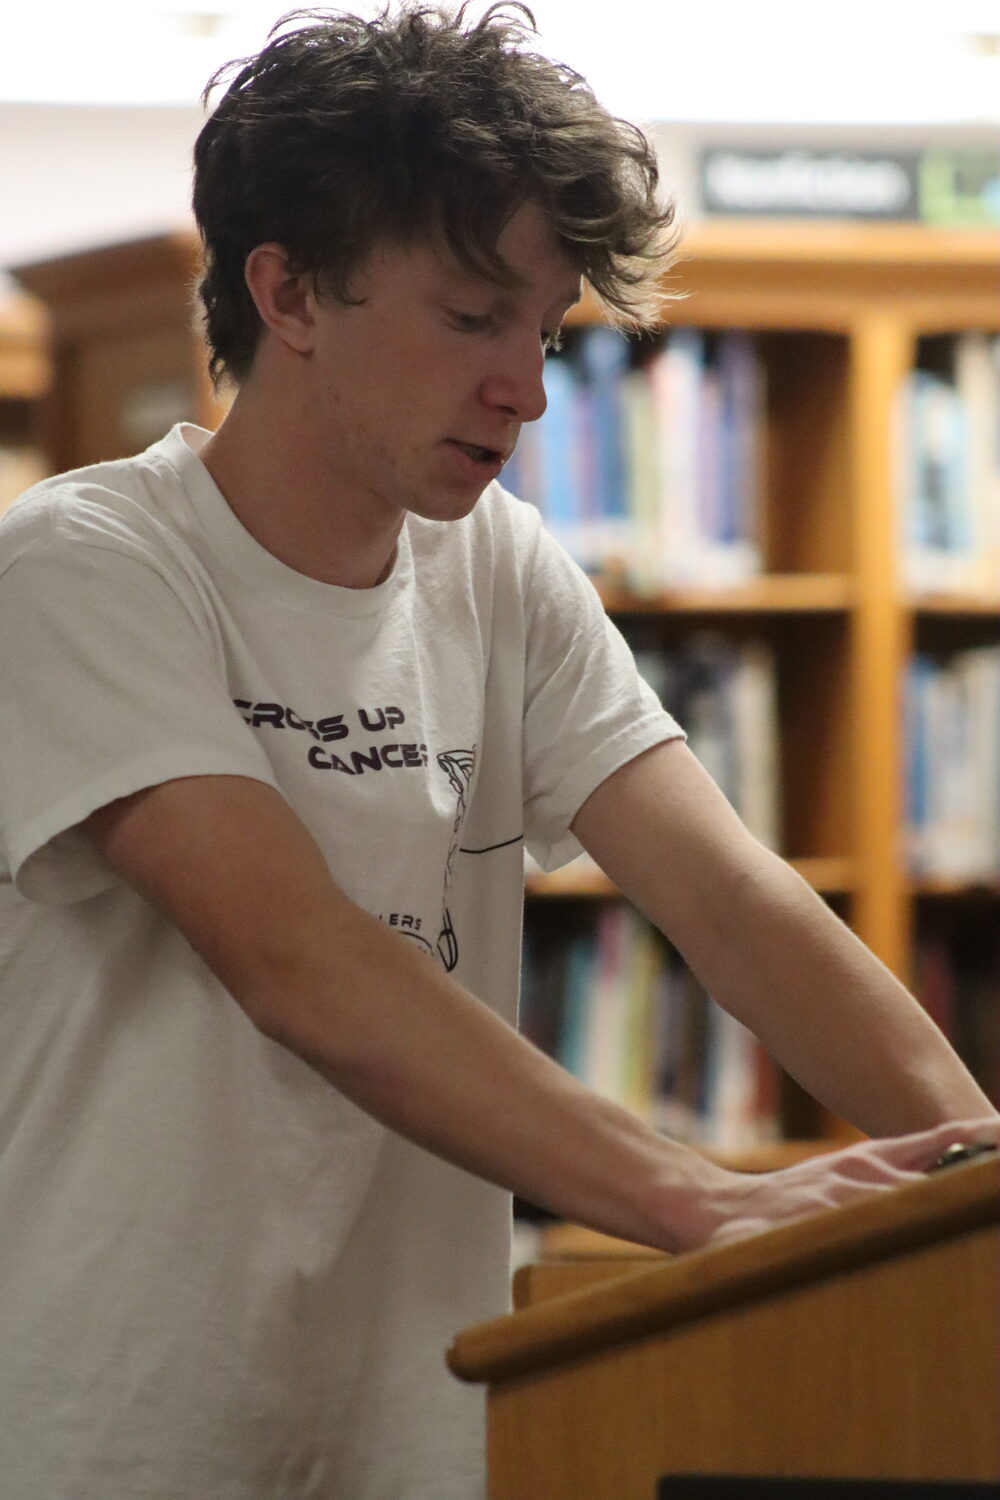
(479, 454)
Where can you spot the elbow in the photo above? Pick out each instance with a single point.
(310, 998)
(283, 988)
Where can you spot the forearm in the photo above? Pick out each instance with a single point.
(831, 1013)
(396, 1035)
(408, 1045)
(225, 860)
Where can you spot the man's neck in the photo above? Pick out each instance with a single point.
(291, 508)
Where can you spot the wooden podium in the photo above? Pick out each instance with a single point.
(860, 1342)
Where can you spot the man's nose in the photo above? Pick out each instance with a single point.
(516, 383)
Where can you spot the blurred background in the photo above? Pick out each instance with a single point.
(99, 104)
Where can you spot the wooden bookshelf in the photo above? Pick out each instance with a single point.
(25, 368)
(831, 876)
(877, 289)
(838, 310)
(127, 359)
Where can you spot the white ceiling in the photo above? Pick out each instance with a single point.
(869, 61)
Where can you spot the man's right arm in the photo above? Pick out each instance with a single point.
(226, 860)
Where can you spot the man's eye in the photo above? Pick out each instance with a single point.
(470, 322)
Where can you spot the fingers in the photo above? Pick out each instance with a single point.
(840, 1177)
(918, 1153)
(760, 1203)
(957, 1152)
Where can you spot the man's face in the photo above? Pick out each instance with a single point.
(418, 393)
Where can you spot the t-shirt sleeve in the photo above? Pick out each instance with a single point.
(111, 682)
(587, 710)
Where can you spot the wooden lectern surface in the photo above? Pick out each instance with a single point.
(863, 1341)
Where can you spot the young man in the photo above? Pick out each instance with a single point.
(283, 705)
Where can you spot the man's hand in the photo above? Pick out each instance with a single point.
(768, 1199)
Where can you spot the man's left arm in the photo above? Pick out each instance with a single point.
(770, 951)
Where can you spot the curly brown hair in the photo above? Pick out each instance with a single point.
(345, 133)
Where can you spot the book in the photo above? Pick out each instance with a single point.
(559, 458)
(977, 380)
(676, 376)
(605, 543)
(644, 569)
(952, 760)
(728, 483)
(754, 696)
(948, 446)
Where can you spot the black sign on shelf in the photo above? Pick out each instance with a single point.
(810, 184)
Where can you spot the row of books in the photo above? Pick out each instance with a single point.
(952, 738)
(948, 439)
(617, 1007)
(723, 692)
(647, 463)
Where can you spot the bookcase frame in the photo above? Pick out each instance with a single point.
(25, 375)
(122, 324)
(24, 362)
(839, 309)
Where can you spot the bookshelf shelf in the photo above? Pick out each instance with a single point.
(774, 593)
(822, 276)
(987, 606)
(943, 886)
(829, 276)
(25, 379)
(828, 874)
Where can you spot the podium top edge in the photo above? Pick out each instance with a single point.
(695, 1285)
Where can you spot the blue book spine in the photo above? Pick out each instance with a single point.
(919, 674)
(559, 452)
(576, 1019)
(604, 357)
(739, 382)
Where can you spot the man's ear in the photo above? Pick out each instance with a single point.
(286, 300)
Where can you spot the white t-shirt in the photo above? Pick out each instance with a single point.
(219, 1279)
